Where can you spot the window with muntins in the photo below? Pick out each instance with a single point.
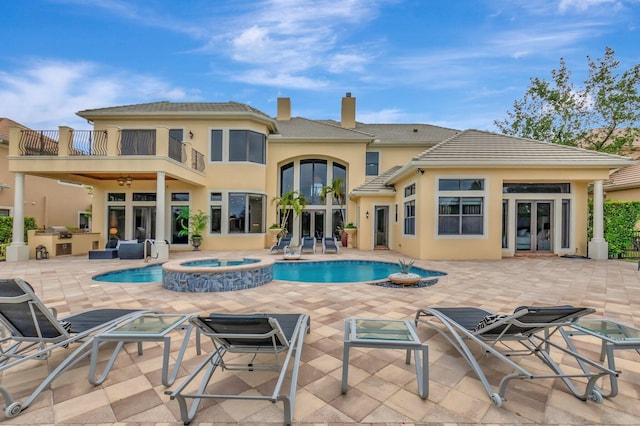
(409, 207)
(460, 211)
(372, 163)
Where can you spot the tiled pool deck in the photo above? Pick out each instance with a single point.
(382, 387)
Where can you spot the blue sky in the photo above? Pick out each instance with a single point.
(455, 63)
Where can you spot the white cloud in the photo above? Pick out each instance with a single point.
(583, 5)
(49, 93)
(387, 115)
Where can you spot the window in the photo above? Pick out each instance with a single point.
(116, 196)
(245, 145)
(175, 144)
(215, 213)
(84, 220)
(458, 212)
(372, 163)
(144, 196)
(536, 188)
(179, 201)
(5, 212)
(566, 224)
(286, 178)
(216, 145)
(313, 176)
(246, 213)
(410, 209)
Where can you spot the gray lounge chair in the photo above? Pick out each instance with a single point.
(252, 335)
(330, 244)
(282, 243)
(308, 244)
(33, 332)
(526, 332)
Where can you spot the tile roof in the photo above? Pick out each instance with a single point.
(393, 134)
(481, 148)
(4, 127)
(627, 177)
(303, 128)
(174, 108)
(407, 133)
(377, 184)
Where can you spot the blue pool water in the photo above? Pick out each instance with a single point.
(341, 271)
(331, 272)
(147, 274)
(216, 262)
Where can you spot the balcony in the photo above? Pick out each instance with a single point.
(68, 142)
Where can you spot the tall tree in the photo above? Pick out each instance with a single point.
(602, 115)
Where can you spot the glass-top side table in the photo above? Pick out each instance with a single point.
(386, 334)
(614, 336)
(153, 327)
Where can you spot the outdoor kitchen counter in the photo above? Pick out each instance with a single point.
(77, 243)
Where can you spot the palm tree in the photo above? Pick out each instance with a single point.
(336, 189)
(290, 201)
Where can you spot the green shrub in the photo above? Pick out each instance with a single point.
(6, 228)
(620, 218)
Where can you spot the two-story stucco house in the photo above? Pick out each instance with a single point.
(425, 191)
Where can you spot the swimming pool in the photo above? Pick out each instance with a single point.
(341, 271)
(146, 274)
(329, 272)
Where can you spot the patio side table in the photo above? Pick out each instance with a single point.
(150, 327)
(386, 334)
(614, 336)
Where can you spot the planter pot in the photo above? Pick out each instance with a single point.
(351, 237)
(272, 236)
(404, 279)
(195, 242)
(289, 256)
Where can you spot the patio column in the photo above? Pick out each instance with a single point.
(18, 250)
(598, 246)
(161, 245)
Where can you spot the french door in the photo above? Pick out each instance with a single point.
(312, 223)
(534, 231)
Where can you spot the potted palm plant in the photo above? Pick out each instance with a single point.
(193, 225)
(290, 201)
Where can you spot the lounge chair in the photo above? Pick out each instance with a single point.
(252, 335)
(330, 244)
(282, 243)
(308, 244)
(498, 335)
(32, 332)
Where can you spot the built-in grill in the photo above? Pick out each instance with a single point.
(62, 231)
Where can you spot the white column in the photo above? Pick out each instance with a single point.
(18, 250)
(598, 246)
(161, 246)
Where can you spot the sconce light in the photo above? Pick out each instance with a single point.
(190, 134)
(421, 171)
(367, 214)
(113, 231)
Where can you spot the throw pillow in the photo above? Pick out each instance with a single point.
(488, 320)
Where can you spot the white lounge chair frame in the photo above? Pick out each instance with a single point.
(32, 332)
(531, 327)
(268, 338)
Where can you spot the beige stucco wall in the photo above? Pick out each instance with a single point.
(425, 244)
(49, 201)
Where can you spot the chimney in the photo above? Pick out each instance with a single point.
(284, 109)
(348, 117)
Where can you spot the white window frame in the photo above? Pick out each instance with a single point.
(483, 194)
(405, 200)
